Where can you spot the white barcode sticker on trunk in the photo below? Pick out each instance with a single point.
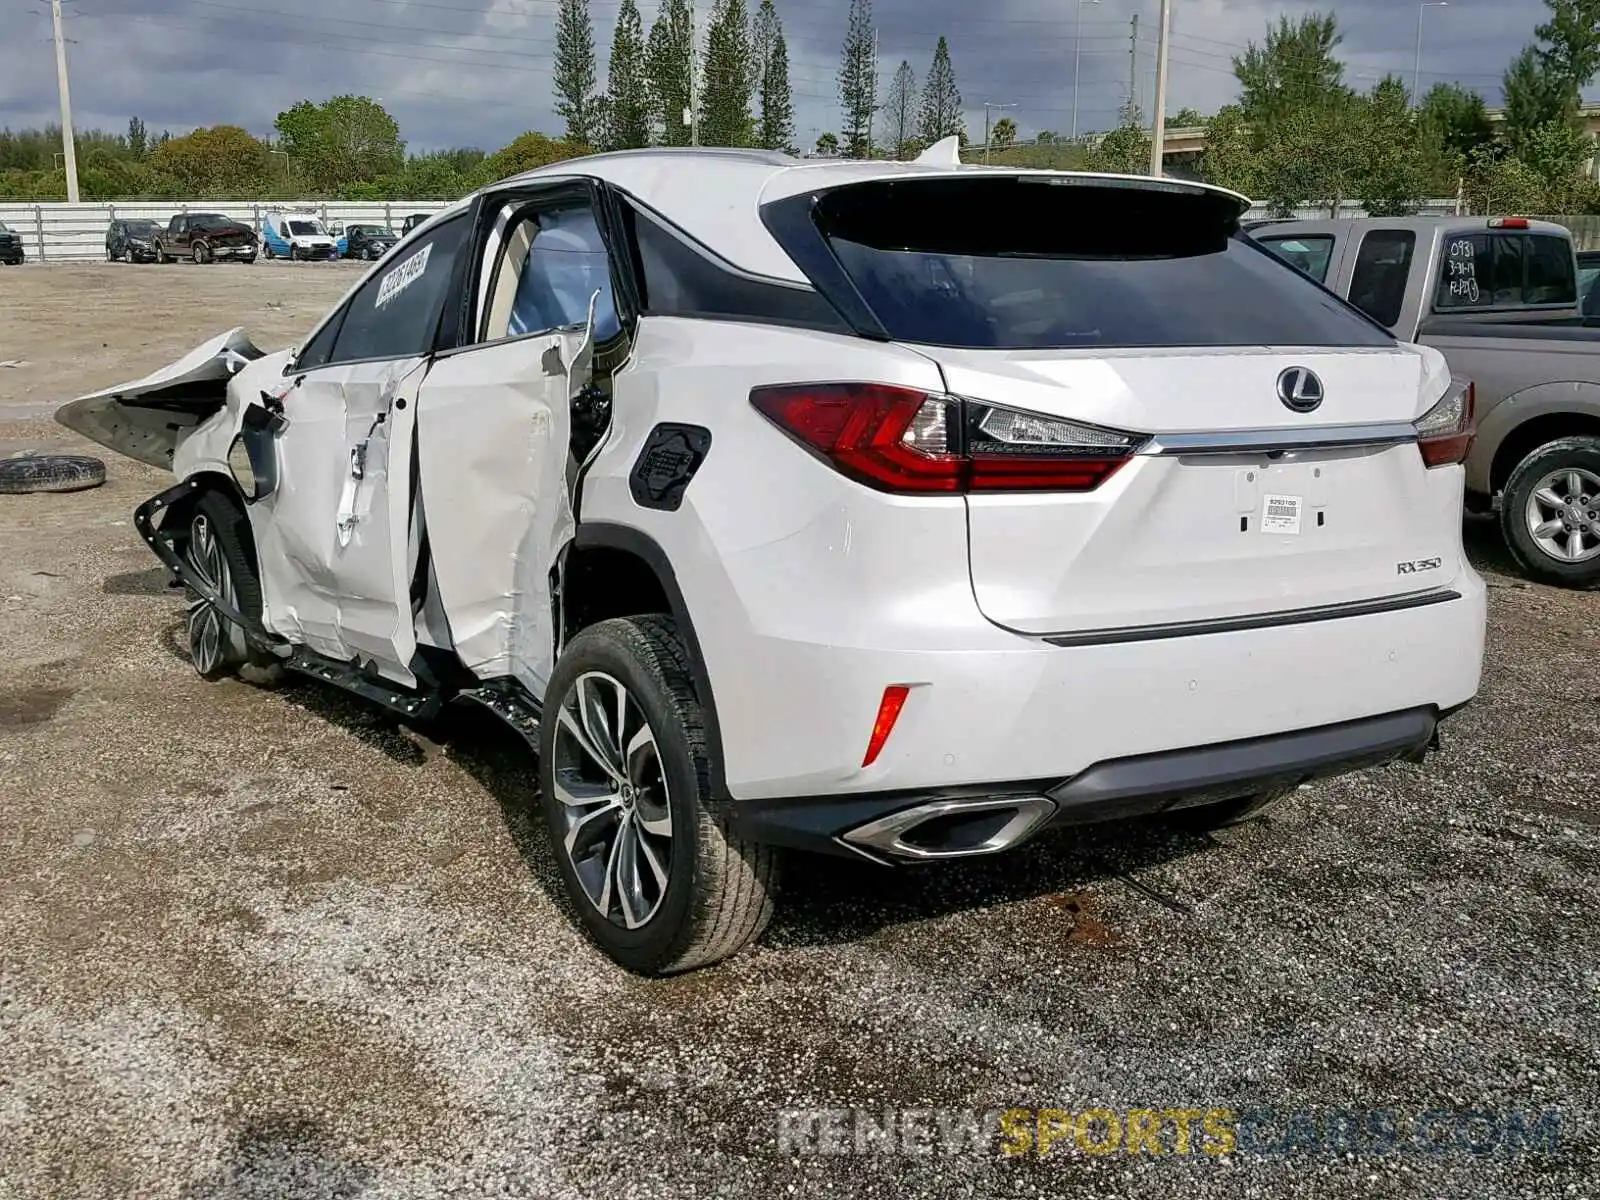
(1280, 514)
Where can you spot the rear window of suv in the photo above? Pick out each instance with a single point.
(1034, 263)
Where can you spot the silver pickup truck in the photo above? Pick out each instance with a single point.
(1498, 296)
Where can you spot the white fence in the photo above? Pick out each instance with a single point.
(77, 232)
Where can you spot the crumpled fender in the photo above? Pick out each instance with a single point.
(145, 419)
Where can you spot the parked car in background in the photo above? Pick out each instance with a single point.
(297, 235)
(205, 237)
(886, 510)
(1501, 298)
(412, 222)
(369, 241)
(10, 246)
(132, 239)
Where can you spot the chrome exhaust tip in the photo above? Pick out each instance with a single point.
(959, 828)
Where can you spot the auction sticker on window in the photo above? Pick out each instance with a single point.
(403, 276)
(1280, 514)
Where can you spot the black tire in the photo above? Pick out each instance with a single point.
(267, 250)
(719, 888)
(294, 254)
(229, 531)
(1577, 455)
(161, 253)
(50, 473)
(200, 253)
(1207, 817)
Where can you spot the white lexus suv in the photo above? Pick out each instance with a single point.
(894, 510)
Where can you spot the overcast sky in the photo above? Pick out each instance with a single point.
(469, 72)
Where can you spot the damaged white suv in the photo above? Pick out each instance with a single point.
(899, 511)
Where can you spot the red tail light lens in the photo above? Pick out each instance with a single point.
(894, 699)
(902, 440)
(1445, 431)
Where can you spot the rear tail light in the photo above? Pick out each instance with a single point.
(1446, 430)
(901, 440)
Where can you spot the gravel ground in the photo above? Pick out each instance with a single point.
(269, 944)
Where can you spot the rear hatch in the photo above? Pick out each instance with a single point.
(1271, 465)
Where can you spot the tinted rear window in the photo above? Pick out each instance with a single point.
(1505, 270)
(1015, 263)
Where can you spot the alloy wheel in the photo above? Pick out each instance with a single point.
(615, 804)
(1563, 515)
(210, 633)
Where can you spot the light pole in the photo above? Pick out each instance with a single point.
(1416, 69)
(1158, 135)
(987, 105)
(1077, 57)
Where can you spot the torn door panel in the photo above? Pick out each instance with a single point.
(492, 442)
(145, 419)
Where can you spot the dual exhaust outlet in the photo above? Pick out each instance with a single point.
(955, 828)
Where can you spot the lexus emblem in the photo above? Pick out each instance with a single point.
(1300, 389)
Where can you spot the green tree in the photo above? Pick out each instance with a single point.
(1230, 155)
(777, 101)
(1391, 164)
(1293, 71)
(828, 145)
(858, 80)
(1004, 134)
(627, 84)
(527, 152)
(1571, 41)
(900, 109)
(1455, 119)
(765, 29)
(342, 141)
(1535, 97)
(220, 161)
(1123, 151)
(575, 70)
(941, 102)
(670, 60)
(730, 78)
(138, 139)
(1186, 118)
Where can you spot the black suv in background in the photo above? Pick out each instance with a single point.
(369, 241)
(131, 239)
(10, 246)
(412, 222)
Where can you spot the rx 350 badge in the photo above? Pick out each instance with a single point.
(1417, 566)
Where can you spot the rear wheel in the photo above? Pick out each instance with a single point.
(658, 879)
(1550, 512)
(161, 253)
(267, 250)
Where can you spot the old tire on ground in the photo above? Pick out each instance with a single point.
(1206, 817)
(1550, 512)
(656, 876)
(50, 473)
(220, 549)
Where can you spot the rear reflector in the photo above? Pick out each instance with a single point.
(1445, 431)
(901, 440)
(894, 699)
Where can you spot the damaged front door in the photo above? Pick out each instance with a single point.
(335, 544)
(495, 428)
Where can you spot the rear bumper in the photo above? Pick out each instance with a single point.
(960, 822)
(987, 705)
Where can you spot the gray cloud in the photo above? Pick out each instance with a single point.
(470, 72)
